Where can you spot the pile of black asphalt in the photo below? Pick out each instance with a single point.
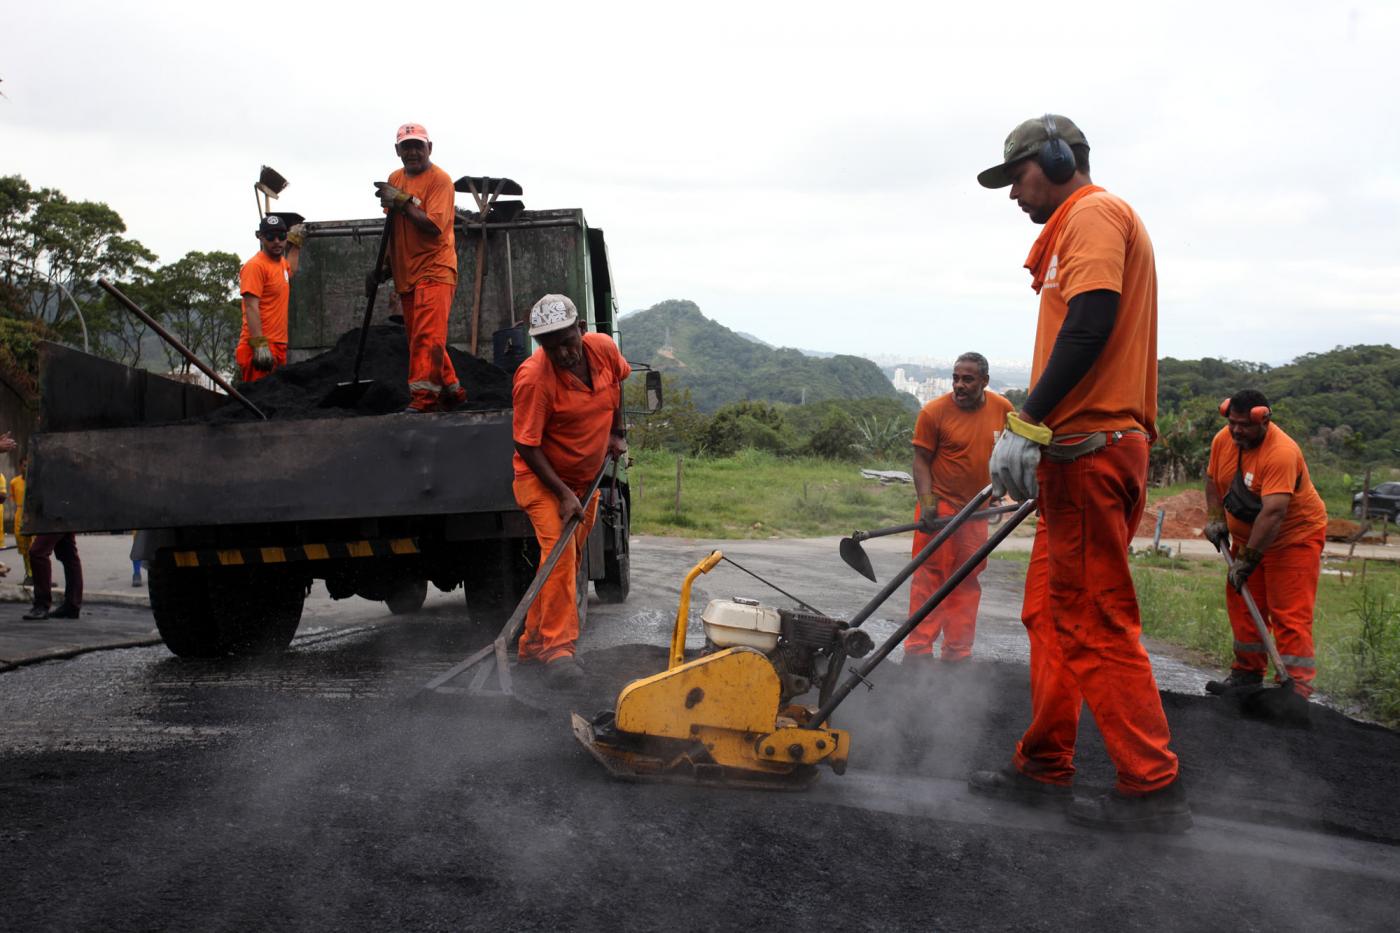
(351, 806)
(297, 390)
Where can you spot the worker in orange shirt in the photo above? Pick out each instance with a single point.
(567, 404)
(419, 199)
(1079, 445)
(1259, 496)
(265, 284)
(953, 438)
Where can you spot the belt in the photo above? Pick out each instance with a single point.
(1063, 451)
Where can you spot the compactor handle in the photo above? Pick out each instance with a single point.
(683, 610)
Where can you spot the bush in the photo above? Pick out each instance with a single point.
(756, 425)
(835, 439)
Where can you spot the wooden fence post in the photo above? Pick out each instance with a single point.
(678, 486)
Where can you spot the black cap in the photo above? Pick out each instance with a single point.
(279, 222)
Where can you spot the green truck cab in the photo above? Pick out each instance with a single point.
(239, 518)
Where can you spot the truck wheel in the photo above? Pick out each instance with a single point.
(257, 609)
(616, 581)
(180, 603)
(407, 597)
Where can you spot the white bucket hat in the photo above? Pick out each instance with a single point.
(551, 313)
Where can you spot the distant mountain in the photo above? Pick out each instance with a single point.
(752, 339)
(720, 366)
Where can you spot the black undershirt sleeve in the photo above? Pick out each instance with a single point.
(1088, 324)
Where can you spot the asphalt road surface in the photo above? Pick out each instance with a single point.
(312, 791)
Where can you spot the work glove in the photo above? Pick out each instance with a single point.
(297, 235)
(1015, 458)
(373, 277)
(928, 512)
(1244, 565)
(391, 198)
(1217, 532)
(262, 355)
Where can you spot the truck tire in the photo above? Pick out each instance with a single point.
(407, 597)
(257, 608)
(616, 580)
(211, 612)
(180, 603)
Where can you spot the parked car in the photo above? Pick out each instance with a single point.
(1384, 502)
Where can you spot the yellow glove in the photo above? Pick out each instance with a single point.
(1038, 433)
(297, 235)
(262, 354)
(1015, 458)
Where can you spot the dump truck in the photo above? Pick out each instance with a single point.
(238, 518)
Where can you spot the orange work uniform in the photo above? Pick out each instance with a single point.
(1284, 585)
(1080, 608)
(269, 280)
(960, 443)
(570, 423)
(425, 276)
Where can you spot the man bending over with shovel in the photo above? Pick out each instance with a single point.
(265, 283)
(567, 400)
(953, 439)
(419, 200)
(1259, 496)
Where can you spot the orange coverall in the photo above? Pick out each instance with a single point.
(960, 443)
(1080, 607)
(425, 277)
(1284, 585)
(554, 411)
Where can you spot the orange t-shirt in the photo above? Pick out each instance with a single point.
(270, 280)
(555, 411)
(961, 443)
(1275, 466)
(1104, 245)
(415, 257)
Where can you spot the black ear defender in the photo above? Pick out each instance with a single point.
(1056, 159)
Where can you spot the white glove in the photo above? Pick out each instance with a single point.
(1015, 458)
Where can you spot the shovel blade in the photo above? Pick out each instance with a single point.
(1282, 704)
(346, 394)
(855, 557)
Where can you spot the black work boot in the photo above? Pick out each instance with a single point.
(1160, 811)
(1236, 681)
(1010, 784)
(36, 613)
(65, 611)
(563, 673)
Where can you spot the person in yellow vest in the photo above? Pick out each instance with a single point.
(22, 541)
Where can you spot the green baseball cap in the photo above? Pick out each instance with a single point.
(1025, 141)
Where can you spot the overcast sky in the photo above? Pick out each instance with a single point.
(805, 172)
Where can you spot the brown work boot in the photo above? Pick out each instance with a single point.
(1010, 784)
(1160, 811)
(1236, 681)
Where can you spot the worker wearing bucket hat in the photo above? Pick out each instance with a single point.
(567, 409)
(420, 202)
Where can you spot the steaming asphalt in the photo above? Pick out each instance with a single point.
(138, 791)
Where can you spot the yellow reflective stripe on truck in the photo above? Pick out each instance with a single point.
(339, 550)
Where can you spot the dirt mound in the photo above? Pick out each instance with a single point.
(1186, 516)
(296, 391)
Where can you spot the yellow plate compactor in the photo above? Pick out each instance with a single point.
(728, 717)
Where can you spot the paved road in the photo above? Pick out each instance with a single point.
(138, 791)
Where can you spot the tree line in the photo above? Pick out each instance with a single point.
(52, 251)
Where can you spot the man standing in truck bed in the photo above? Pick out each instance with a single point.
(419, 200)
(568, 419)
(953, 440)
(264, 283)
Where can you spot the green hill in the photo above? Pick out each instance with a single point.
(720, 366)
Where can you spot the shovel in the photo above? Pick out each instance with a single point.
(1281, 703)
(496, 651)
(348, 394)
(485, 190)
(855, 557)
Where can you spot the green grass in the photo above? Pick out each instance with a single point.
(758, 495)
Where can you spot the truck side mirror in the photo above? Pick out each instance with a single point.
(653, 387)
